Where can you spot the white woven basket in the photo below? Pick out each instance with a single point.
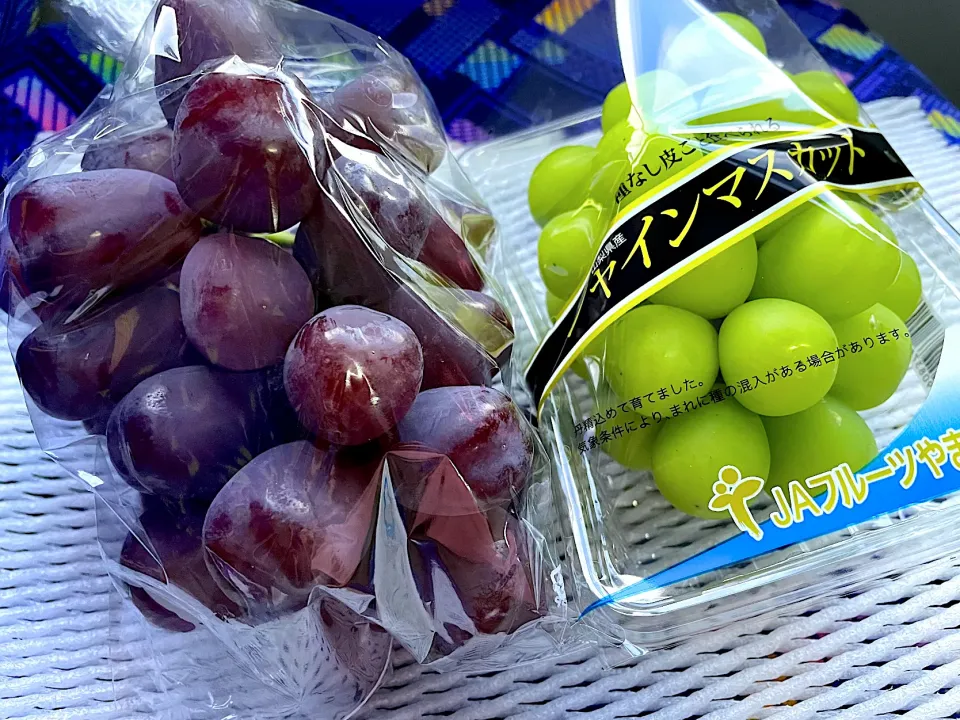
(70, 649)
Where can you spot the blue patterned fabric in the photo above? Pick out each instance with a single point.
(493, 66)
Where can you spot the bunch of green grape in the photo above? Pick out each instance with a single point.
(760, 358)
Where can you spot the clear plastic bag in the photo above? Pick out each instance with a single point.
(739, 329)
(248, 303)
(112, 24)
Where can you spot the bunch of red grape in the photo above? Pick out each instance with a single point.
(263, 400)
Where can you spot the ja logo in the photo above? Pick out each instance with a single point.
(732, 493)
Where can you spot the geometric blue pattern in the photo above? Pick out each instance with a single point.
(491, 65)
(452, 35)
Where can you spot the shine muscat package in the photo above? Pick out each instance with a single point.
(741, 344)
(249, 306)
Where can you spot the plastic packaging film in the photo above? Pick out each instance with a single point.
(249, 305)
(740, 345)
(112, 24)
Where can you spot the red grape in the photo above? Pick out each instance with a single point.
(177, 541)
(97, 425)
(440, 506)
(482, 433)
(243, 156)
(344, 266)
(351, 373)
(295, 517)
(13, 289)
(79, 370)
(185, 432)
(158, 615)
(204, 31)
(494, 581)
(445, 253)
(339, 263)
(150, 152)
(387, 103)
(429, 486)
(400, 213)
(450, 357)
(498, 593)
(88, 230)
(470, 220)
(243, 299)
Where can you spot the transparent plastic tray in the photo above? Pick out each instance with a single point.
(617, 529)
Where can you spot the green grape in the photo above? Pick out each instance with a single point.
(828, 91)
(816, 441)
(611, 164)
(567, 248)
(770, 336)
(656, 348)
(838, 259)
(771, 230)
(653, 159)
(693, 449)
(555, 306)
(633, 450)
(718, 286)
(613, 146)
(616, 107)
(660, 95)
(871, 376)
(705, 50)
(559, 182)
(746, 28)
(904, 296)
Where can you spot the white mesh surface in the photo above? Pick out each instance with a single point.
(70, 649)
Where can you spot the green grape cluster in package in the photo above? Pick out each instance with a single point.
(740, 334)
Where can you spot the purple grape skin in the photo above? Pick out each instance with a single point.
(236, 160)
(445, 253)
(483, 554)
(387, 103)
(156, 614)
(352, 373)
(206, 31)
(185, 432)
(449, 356)
(400, 213)
(497, 592)
(483, 434)
(150, 152)
(79, 370)
(342, 266)
(177, 539)
(13, 288)
(297, 516)
(85, 231)
(97, 425)
(243, 299)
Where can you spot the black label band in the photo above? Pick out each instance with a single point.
(724, 201)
